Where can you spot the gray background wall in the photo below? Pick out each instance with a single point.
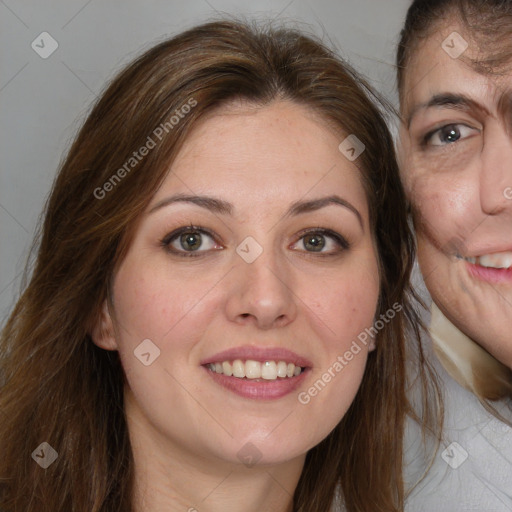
(43, 101)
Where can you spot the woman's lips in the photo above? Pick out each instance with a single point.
(494, 267)
(489, 274)
(255, 353)
(498, 260)
(257, 373)
(259, 388)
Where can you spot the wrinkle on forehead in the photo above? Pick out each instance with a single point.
(490, 90)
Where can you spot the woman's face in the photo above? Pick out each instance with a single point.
(255, 257)
(457, 168)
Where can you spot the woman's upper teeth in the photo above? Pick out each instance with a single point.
(250, 369)
(495, 260)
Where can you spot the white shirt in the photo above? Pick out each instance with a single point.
(472, 471)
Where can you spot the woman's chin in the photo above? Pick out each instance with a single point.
(251, 450)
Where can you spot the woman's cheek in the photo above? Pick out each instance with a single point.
(351, 306)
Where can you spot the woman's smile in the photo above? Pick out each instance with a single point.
(258, 372)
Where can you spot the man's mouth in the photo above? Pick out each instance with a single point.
(250, 369)
(498, 260)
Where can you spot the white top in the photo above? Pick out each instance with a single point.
(472, 470)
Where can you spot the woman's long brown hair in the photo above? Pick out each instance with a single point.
(58, 387)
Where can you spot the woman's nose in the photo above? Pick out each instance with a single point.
(261, 293)
(496, 173)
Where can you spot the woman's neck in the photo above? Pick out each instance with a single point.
(169, 478)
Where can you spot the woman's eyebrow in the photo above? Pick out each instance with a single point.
(315, 204)
(450, 101)
(209, 203)
(505, 107)
(223, 207)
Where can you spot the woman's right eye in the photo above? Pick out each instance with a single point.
(190, 242)
(448, 134)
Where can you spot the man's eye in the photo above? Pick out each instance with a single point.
(321, 242)
(190, 240)
(448, 134)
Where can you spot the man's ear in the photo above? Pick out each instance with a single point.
(102, 333)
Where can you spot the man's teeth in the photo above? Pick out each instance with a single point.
(496, 260)
(269, 370)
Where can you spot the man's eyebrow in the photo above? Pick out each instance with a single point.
(316, 204)
(209, 203)
(450, 101)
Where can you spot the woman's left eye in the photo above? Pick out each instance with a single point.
(323, 241)
(448, 134)
(189, 241)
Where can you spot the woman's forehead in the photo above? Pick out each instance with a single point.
(278, 152)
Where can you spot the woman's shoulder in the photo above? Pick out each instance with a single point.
(472, 469)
